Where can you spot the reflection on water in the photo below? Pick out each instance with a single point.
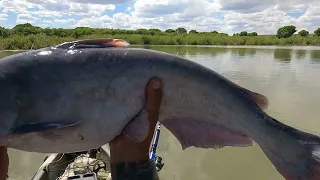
(243, 51)
(315, 55)
(300, 54)
(288, 77)
(283, 55)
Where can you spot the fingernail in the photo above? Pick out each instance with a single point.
(156, 85)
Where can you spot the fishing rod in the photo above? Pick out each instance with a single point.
(157, 159)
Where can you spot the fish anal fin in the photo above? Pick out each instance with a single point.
(137, 129)
(200, 134)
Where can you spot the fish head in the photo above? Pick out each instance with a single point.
(9, 105)
(13, 93)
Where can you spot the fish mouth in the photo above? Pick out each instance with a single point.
(118, 43)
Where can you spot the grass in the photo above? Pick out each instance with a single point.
(16, 42)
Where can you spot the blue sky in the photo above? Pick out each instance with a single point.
(229, 16)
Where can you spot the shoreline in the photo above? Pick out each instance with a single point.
(292, 47)
(307, 47)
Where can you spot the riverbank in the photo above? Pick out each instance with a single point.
(17, 42)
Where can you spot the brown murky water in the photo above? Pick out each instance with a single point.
(289, 77)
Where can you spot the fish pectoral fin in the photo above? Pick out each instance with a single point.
(50, 134)
(36, 127)
(138, 127)
(49, 130)
(201, 134)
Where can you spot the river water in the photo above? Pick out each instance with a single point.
(288, 76)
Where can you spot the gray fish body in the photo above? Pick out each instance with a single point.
(96, 93)
(105, 89)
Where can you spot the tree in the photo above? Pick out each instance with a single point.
(81, 31)
(224, 34)
(286, 31)
(142, 31)
(4, 32)
(303, 33)
(170, 31)
(193, 32)
(317, 32)
(243, 33)
(181, 30)
(154, 31)
(253, 34)
(26, 29)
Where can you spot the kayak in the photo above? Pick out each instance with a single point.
(87, 165)
(91, 165)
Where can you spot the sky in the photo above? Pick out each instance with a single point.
(228, 16)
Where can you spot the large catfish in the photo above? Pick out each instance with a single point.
(80, 95)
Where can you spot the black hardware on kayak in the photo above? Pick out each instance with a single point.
(157, 159)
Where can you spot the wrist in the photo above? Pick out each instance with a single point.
(142, 170)
(129, 154)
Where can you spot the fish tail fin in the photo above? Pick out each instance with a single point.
(295, 154)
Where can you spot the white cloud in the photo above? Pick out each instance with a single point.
(103, 21)
(26, 18)
(17, 6)
(3, 17)
(187, 8)
(65, 7)
(122, 20)
(230, 16)
(245, 6)
(102, 1)
(64, 20)
(46, 14)
(89, 9)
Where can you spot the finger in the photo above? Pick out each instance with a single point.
(4, 162)
(154, 95)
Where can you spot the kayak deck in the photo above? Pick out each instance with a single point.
(76, 166)
(87, 165)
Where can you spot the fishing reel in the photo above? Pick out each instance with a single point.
(159, 163)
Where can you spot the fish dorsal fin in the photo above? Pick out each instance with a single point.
(261, 100)
(94, 43)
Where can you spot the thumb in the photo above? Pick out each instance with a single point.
(153, 102)
(154, 96)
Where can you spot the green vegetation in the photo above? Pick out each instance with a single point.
(286, 31)
(27, 36)
(304, 33)
(317, 32)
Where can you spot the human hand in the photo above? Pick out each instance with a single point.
(123, 149)
(4, 163)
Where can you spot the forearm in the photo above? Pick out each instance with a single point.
(140, 170)
(4, 162)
